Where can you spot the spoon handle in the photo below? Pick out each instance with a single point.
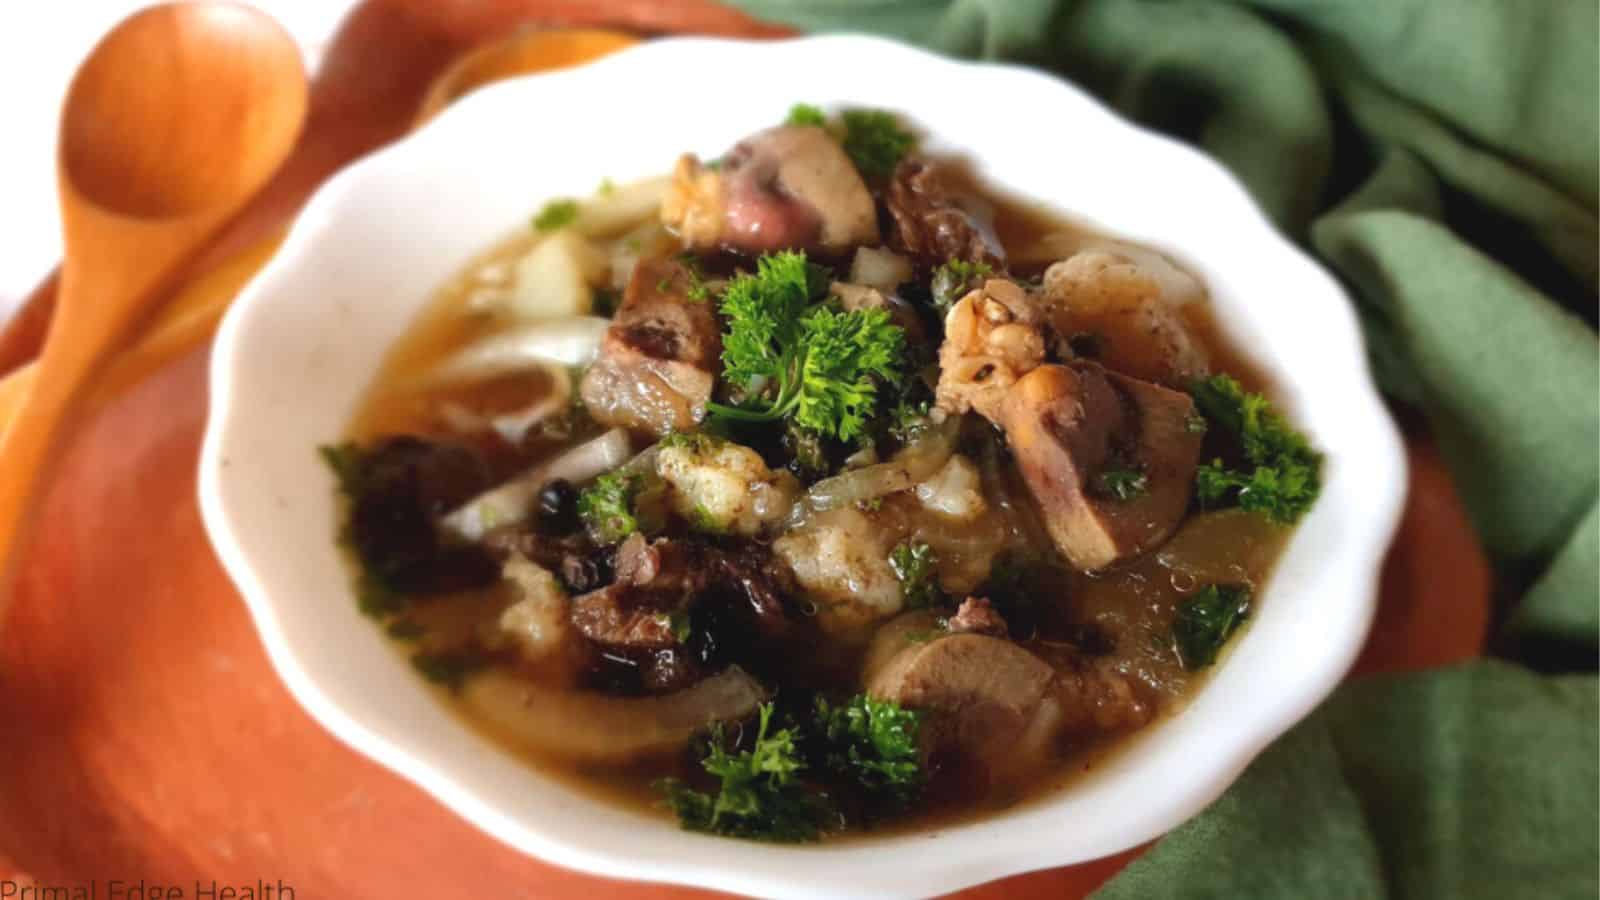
(95, 308)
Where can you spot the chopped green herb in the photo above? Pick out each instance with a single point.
(607, 187)
(1205, 621)
(759, 796)
(953, 280)
(346, 461)
(873, 743)
(448, 668)
(375, 598)
(697, 442)
(699, 290)
(556, 214)
(609, 507)
(874, 141)
(1122, 483)
(682, 626)
(1282, 474)
(805, 114)
(915, 564)
(821, 366)
(1195, 424)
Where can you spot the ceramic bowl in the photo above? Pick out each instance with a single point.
(301, 345)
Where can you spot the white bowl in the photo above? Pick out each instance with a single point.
(302, 343)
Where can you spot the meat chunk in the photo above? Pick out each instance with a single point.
(987, 701)
(654, 582)
(790, 187)
(993, 336)
(658, 581)
(975, 615)
(398, 489)
(578, 563)
(1069, 426)
(935, 223)
(1125, 314)
(658, 361)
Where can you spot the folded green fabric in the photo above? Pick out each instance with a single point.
(1443, 158)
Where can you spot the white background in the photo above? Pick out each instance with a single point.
(39, 51)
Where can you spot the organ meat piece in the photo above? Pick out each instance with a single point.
(658, 580)
(986, 700)
(791, 187)
(1074, 428)
(658, 361)
(993, 702)
(935, 223)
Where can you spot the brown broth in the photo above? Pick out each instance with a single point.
(1134, 603)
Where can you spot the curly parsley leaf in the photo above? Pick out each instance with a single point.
(915, 564)
(759, 796)
(874, 141)
(1205, 621)
(873, 743)
(1281, 475)
(817, 365)
(611, 507)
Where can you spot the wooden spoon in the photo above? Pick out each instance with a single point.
(179, 115)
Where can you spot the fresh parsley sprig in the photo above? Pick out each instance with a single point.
(801, 360)
(1281, 475)
(760, 795)
(873, 743)
(1205, 621)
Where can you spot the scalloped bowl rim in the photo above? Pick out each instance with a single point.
(298, 348)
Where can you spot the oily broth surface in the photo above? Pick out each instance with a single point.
(1135, 603)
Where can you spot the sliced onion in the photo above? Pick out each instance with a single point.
(510, 501)
(914, 463)
(568, 341)
(882, 270)
(590, 727)
(513, 426)
(622, 207)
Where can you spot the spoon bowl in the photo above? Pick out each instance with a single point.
(181, 108)
(178, 116)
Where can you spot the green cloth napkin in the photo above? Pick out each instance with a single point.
(1442, 157)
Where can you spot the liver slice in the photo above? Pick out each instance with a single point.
(1069, 423)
